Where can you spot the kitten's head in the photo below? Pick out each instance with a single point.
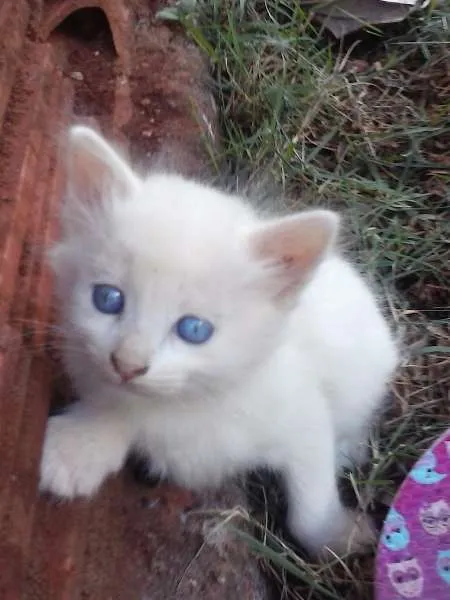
(168, 286)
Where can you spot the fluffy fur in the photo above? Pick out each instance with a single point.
(291, 378)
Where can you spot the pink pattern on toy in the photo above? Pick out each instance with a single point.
(414, 552)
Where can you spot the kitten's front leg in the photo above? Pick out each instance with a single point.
(316, 515)
(81, 448)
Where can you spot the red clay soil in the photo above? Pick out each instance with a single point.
(144, 84)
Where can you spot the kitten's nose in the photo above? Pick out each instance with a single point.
(127, 369)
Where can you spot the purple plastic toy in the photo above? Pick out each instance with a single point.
(414, 552)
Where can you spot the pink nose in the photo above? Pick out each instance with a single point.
(127, 371)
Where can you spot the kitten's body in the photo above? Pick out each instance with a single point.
(291, 378)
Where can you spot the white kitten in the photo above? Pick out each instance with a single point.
(211, 340)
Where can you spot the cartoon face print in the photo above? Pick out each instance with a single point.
(424, 471)
(435, 517)
(406, 577)
(443, 565)
(395, 533)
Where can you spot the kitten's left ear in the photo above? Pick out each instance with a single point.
(94, 165)
(293, 246)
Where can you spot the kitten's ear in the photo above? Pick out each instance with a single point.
(293, 246)
(95, 168)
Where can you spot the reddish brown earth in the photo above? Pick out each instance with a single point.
(144, 85)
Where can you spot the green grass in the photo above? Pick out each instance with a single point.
(364, 128)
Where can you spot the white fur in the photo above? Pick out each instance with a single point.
(291, 379)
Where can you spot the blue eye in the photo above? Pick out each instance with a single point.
(108, 299)
(194, 330)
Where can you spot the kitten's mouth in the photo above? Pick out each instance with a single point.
(113, 378)
(126, 383)
(135, 385)
(142, 386)
(130, 383)
(120, 381)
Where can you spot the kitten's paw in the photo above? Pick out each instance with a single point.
(349, 532)
(351, 455)
(356, 534)
(73, 461)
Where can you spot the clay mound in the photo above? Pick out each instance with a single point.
(142, 83)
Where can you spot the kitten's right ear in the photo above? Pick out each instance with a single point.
(95, 168)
